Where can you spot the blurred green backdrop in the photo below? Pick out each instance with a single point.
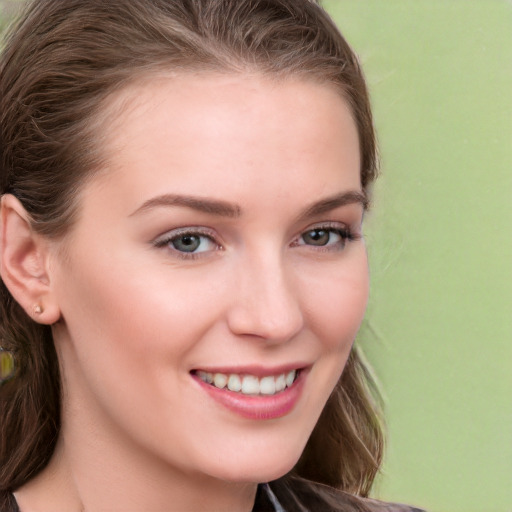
(439, 322)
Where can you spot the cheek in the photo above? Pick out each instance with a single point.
(335, 310)
(129, 334)
(135, 314)
(336, 301)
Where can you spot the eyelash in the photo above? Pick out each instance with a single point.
(345, 233)
(165, 241)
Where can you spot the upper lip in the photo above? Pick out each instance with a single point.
(256, 370)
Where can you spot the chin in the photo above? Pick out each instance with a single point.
(263, 466)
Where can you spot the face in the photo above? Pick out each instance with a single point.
(221, 247)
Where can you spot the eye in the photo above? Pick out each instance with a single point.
(192, 243)
(187, 243)
(326, 237)
(318, 237)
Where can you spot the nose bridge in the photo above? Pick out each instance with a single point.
(265, 302)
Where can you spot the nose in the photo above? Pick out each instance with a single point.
(264, 302)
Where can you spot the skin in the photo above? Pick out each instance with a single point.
(137, 315)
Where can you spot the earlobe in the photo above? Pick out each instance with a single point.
(24, 263)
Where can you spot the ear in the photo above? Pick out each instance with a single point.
(24, 263)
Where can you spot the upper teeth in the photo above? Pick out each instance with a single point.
(249, 384)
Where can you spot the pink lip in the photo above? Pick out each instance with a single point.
(257, 407)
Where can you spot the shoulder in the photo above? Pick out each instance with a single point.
(299, 494)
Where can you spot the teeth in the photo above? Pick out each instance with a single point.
(268, 386)
(234, 383)
(220, 380)
(207, 377)
(290, 377)
(280, 382)
(250, 384)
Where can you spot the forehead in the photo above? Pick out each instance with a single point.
(230, 130)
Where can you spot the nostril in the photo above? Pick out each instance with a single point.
(265, 304)
(269, 327)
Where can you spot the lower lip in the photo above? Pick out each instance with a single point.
(257, 407)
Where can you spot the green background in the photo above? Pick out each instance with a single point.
(439, 322)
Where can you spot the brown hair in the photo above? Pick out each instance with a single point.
(60, 63)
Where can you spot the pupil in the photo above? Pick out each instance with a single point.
(317, 237)
(187, 243)
(188, 240)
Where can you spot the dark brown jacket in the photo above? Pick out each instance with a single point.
(299, 495)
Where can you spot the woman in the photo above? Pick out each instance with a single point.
(183, 271)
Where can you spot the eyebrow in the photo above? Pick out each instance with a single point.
(205, 205)
(232, 210)
(337, 201)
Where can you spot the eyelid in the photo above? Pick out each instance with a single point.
(164, 241)
(347, 233)
(188, 230)
(328, 225)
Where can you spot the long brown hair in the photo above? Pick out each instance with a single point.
(60, 63)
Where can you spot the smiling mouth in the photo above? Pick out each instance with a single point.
(247, 384)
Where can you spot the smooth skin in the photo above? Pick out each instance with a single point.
(198, 246)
